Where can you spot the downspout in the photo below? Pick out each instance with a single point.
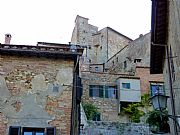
(74, 104)
(107, 42)
(171, 93)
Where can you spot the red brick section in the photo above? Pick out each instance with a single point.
(62, 119)
(3, 124)
(146, 78)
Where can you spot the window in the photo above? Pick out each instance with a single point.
(55, 88)
(137, 60)
(17, 130)
(97, 117)
(97, 69)
(111, 92)
(103, 91)
(157, 88)
(96, 91)
(125, 64)
(126, 85)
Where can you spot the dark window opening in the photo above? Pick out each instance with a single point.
(137, 60)
(97, 117)
(117, 59)
(97, 69)
(125, 64)
(56, 88)
(126, 85)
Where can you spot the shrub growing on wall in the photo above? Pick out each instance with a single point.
(91, 111)
(134, 111)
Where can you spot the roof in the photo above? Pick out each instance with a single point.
(158, 35)
(54, 51)
(119, 33)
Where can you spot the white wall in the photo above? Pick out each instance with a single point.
(129, 95)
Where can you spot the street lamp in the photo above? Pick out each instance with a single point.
(159, 101)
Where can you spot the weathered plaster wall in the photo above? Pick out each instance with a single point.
(37, 92)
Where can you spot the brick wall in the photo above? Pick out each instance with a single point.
(146, 78)
(3, 124)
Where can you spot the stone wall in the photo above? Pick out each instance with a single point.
(108, 107)
(116, 128)
(173, 42)
(100, 45)
(137, 49)
(35, 92)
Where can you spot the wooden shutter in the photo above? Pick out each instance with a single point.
(14, 130)
(50, 131)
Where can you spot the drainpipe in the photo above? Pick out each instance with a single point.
(171, 92)
(107, 43)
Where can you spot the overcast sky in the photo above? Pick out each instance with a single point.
(31, 21)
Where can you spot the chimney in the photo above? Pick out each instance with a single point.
(7, 39)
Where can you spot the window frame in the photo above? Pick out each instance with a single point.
(126, 86)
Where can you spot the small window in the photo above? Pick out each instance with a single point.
(113, 62)
(97, 69)
(125, 64)
(137, 60)
(56, 88)
(97, 117)
(126, 85)
(117, 59)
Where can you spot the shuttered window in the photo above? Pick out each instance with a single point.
(14, 130)
(50, 131)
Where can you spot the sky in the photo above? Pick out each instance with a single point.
(32, 21)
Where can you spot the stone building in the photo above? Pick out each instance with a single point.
(39, 88)
(100, 45)
(134, 59)
(113, 68)
(165, 53)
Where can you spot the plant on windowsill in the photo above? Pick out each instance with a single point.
(91, 111)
